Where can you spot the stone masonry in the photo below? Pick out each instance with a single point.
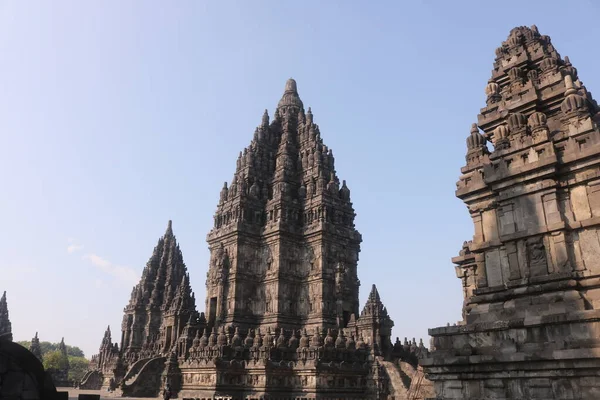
(531, 274)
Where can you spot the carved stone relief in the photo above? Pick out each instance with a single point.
(536, 254)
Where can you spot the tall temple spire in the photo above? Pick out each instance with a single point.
(285, 183)
(169, 231)
(164, 288)
(35, 348)
(107, 339)
(62, 347)
(5, 325)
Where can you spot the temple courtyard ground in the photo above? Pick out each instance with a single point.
(74, 393)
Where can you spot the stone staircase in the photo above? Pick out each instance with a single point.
(421, 387)
(131, 379)
(134, 370)
(145, 381)
(398, 388)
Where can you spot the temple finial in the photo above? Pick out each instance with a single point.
(290, 98)
(290, 86)
(374, 295)
(570, 87)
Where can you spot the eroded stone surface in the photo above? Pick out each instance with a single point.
(531, 273)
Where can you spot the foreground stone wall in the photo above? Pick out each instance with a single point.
(22, 375)
(531, 274)
(15, 382)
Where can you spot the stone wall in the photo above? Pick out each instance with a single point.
(15, 382)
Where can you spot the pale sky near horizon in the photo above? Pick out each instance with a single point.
(118, 116)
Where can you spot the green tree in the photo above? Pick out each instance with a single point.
(55, 360)
(48, 347)
(77, 368)
(74, 351)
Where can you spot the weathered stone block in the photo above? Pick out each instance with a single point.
(579, 203)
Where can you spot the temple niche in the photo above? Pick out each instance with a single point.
(282, 317)
(531, 184)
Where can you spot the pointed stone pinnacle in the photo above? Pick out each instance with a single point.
(374, 295)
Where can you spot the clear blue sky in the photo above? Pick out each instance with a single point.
(118, 116)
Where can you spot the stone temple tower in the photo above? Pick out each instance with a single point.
(160, 304)
(282, 317)
(5, 325)
(284, 249)
(530, 275)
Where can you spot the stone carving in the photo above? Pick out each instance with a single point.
(219, 269)
(537, 256)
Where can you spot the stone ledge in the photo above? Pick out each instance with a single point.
(521, 363)
(518, 175)
(577, 316)
(546, 283)
(557, 227)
